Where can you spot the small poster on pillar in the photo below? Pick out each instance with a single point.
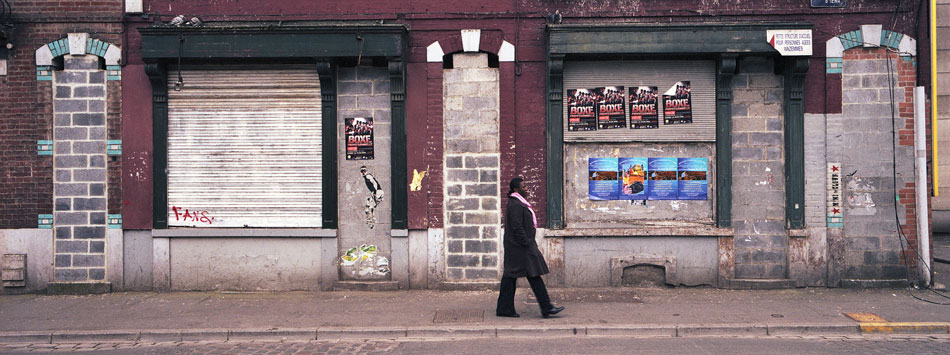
(358, 132)
(644, 110)
(678, 104)
(580, 110)
(610, 112)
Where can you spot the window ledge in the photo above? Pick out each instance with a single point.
(244, 232)
(679, 230)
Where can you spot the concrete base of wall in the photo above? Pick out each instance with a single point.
(366, 286)
(760, 284)
(78, 288)
(37, 244)
(469, 286)
(855, 283)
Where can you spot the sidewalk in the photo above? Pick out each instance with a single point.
(378, 315)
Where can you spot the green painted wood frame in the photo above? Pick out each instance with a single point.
(726, 42)
(323, 44)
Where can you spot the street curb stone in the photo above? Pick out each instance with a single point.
(159, 336)
(94, 336)
(204, 334)
(26, 337)
(550, 331)
(273, 334)
(328, 333)
(633, 330)
(806, 329)
(720, 330)
(451, 332)
(360, 333)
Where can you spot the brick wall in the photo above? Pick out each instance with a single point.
(865, 149)
(471, 168)
(758, 184)
(26, 113)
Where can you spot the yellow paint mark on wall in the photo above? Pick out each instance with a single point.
(417, 176)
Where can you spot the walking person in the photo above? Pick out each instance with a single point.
(522, 257)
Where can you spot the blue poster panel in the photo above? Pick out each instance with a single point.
(633, 182)
(661, 173)
(693, 183)
(602, 179)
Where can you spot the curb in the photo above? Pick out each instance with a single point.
(330, 333)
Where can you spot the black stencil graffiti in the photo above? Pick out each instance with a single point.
(375, 196)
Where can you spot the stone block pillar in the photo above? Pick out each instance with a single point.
(79, 140)
(471, 134)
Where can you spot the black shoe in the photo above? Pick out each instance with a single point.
(552, 311)
(512, 315)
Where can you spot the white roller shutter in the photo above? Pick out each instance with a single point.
(244, 147)
(660, 73)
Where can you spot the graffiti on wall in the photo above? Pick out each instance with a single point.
(374, 198)
(185, 215)
(364, 261)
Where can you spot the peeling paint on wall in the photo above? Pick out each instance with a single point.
(860, 202)
(364, 261)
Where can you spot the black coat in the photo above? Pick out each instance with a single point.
(522, 257)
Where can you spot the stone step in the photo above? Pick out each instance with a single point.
(366, 286)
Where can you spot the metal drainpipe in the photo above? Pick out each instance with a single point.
(920, 148)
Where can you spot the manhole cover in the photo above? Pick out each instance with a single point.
(459, 316)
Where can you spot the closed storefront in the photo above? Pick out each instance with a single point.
(244, 147)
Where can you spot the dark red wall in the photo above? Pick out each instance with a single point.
(520, 22)
(26, 111)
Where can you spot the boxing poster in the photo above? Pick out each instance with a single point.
(580, 110)
(661, 174)
(358, 133)
(610, 110)
(602, 179)
(644, 109)
(633, 182)
(678, 104)
(693, 183)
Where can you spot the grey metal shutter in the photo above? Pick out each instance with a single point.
(660, 73)
(244, 147)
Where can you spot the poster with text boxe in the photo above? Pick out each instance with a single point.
(644, 109)
(661, 173)
(633, 182)
(602, 179)
(358, 132)
(581, 114)
(610, 110)
(693, 181)
(678, 104)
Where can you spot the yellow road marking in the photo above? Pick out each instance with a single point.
(866, 317)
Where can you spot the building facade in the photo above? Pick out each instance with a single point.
(318, 146)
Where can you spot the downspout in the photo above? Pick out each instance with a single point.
(920, 150)
(933, 96)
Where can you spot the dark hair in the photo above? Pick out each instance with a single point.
(514, 184)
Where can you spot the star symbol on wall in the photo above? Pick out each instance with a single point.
(834, 168)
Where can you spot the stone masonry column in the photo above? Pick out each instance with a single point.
(473, 211)
(79, 140)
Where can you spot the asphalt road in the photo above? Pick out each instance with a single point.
(589, 345)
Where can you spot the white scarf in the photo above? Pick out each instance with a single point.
(534, 218)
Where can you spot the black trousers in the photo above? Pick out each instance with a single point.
(506, 295)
